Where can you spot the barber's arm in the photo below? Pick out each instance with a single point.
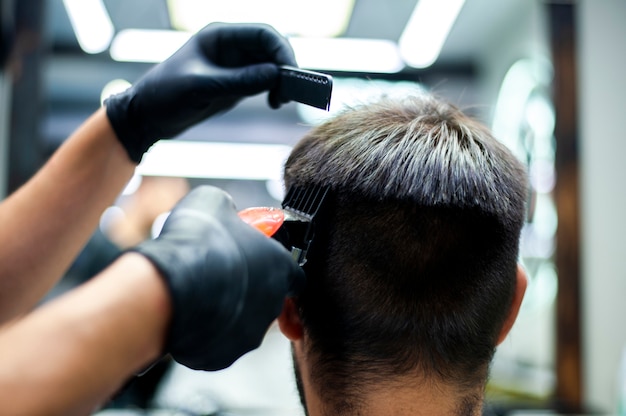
(205, 291)
(69, 356)
(44, 224)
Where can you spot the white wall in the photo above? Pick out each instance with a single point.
(602, 115)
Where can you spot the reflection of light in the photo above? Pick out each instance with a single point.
(545, 219)
(146, 45)
(347, 54)
(538, 236)
(427, 30)
(521, 80)
(325, 18)
(354, 91)
(542, 288)
(540, 117)
(542, 175)
(92, 24)
(191, 159)
(342, 54)
(535, 246)
(113, 87)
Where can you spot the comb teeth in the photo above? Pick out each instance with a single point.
(305, 202)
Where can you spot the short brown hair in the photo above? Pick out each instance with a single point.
(413, 270)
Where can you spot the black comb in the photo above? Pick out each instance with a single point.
(306, 87)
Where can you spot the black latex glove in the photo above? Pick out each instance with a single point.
(227, 280)
(214, 70)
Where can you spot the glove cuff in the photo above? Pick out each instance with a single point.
(119, 110)
(170, 335)
(196, 324)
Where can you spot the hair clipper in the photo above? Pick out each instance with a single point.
(293, 225)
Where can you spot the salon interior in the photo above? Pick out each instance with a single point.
(546, 75)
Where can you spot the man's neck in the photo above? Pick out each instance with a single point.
(424, 399)
(402, 401)
(404, 396)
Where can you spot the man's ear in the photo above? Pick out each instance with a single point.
(518, 296)
(289, 321)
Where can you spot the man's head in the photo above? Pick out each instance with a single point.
(413, 274)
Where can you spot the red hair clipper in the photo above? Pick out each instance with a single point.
(265, 219)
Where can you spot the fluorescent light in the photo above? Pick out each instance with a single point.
(322, 18)
(191, 159)
(347, 54)
(427, 30)
(340, 54)
(146, 45)
(91, 23)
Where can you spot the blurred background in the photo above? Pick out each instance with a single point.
(546, 76)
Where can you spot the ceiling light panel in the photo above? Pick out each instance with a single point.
(427, 31)
(321, 18)
(91, 23)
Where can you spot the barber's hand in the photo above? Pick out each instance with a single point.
(227, 280)
(214, 70)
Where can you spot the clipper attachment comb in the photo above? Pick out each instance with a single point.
(293, 225)
(301, 206)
